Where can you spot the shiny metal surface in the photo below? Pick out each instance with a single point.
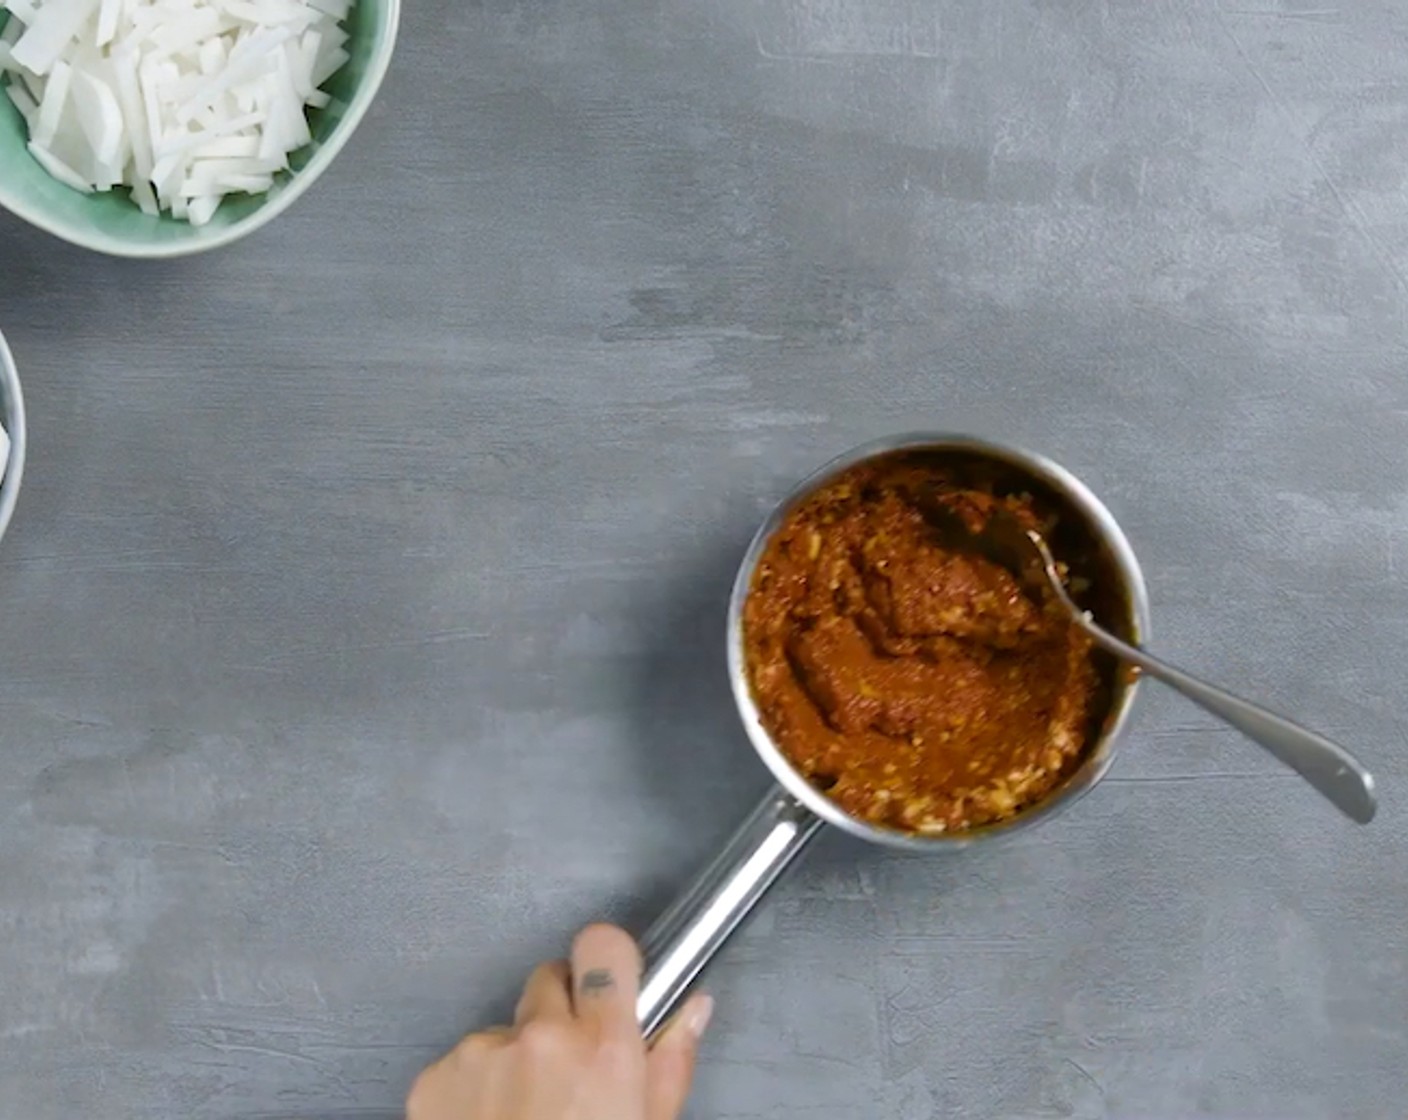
(683, 940)
(1327, 766)
(686, 937)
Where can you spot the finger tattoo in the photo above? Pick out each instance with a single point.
(596, 982)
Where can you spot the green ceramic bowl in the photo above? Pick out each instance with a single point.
(112, 223)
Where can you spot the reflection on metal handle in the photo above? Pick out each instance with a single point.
(1327, 766)
(685, 938)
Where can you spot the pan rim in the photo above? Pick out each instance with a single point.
(1098, 760)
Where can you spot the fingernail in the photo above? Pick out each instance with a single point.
(701, 1010)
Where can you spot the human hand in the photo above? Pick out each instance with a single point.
(574, 1051)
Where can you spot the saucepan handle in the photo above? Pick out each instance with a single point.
(695, 927)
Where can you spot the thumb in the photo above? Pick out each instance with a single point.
(670, 1068)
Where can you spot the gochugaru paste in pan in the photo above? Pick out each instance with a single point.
(909, 677)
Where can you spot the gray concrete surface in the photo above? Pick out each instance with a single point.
(360, 623)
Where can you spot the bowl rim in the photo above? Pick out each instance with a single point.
(297, 184)
(12, 405)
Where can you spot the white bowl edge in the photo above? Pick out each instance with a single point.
(15, 428)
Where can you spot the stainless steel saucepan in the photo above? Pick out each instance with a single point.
(696, 926)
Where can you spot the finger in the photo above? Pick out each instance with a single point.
(606, 977)
(547, 995)
(474, 1046)
(670, 1067)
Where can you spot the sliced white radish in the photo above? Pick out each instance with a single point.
(200, 210)
(14, 28)
(51, 107)
(109, 11)
(145, 197)
(129, 97)
(23, 102)
(59, 169)
(99, 115)
(182, 102)
(48, 36)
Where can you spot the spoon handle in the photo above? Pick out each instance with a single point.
(1325, 765)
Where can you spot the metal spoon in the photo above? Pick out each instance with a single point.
(1328, 767)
